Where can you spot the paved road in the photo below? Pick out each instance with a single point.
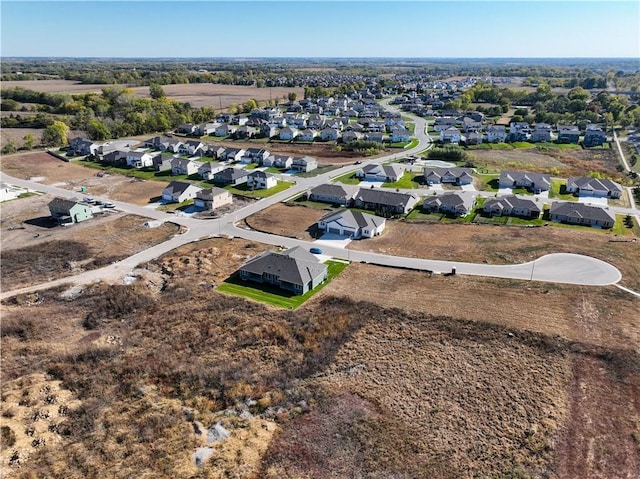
(560, 268)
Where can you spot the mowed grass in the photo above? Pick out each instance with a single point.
(407, 181)
(243, 190)
(274, 296)
(558, 190)
(347, 179)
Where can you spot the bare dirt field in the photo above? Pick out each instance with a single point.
(54, 86)
(293, 221)
(72, 176)
(35, 250)
(569, 162)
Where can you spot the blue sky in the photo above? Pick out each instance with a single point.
(425, 29)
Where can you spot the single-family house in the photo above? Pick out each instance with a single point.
(294, 270)
(308, 134)
(245, 132)
(255, 155)
(519, 131)
(179, 191)
(232, 154)
(351, 135)
(192, 147)
(385, 173)
(384, 201)
(496, 134)
(375, 137)
(268, 131)
(457, 176)
(354, 224)
(225, 130)
(212, 198)
(469, 125)
(288, 133)
(400, 135)
(259, 180)
(568, 134)
(541, 133)
(457, 203)
(187, 128)
(278, 161)
(316, 121)
(534, 182)
(443, 122)
(304, 164)
(117, 158)
(511, 205)
(594, 136)
(473, 138)
(139, 159)
(208, 169)
(81, 146)
(595, 187)
(184, 166)
(329, 134)
(333, 193)
(581, 214)
(230, 176)
(450, 135)
(206, 129)
(66, 211)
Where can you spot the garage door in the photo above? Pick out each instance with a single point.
(335, 231)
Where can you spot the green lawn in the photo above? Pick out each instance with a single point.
(406, 182)
(558, 191)
(560, 146)
(412, 144)
(318, 171)
(251, 166)
(347, 179)
(276, 296)
(243, 190)
(489, 182)
(175, 206)
(622, 228)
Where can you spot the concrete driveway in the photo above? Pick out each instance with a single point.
(590, 200)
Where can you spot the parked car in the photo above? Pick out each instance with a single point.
(315, 250)
(88, 199)
(108, 204)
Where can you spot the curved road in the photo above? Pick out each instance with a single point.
(558, 268)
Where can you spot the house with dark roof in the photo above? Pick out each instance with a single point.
(354, 224)
(581, 214)
(511, 205)
(255, 155)
(184, 166)
(541, 132)
(179, 191)
(82, 146)
(386, 173)
(568, 134)
(458, 203)
(259, 180)
(66, 211)
(534, 182)
(594, 136)
(594, 187)
(304, 164)
(207, 170)
(212, 198)
(457, 176)
(496, 134)
(294, 270)
(334, 193)
(450, 135)
(230, 176)
(385, 202)
(278, 161)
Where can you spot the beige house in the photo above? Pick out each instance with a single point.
(212, 198)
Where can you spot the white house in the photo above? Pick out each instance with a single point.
(288, 133)
(139, 159)
(212, 198)
(354, 224)
(450, 135)
(179, 191)
(259, 180)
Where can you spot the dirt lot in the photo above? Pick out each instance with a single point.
(72, 176)
(34, 250)
(293, 221)
(563, 163)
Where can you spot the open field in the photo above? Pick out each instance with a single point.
(197, 94)
(72, 176)
(384, 373)
(559, 162)
(293, 221)
(64, 251)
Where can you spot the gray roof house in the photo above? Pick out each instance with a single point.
(66, 211)
(179, 191)
(452, 203)
(230, 176)
(535, 182)
(294, 270)
(511, 205)
(581, 214)
(212, 198)
(385, 202)
(304, 164)
(333, 193)
(596, 187)
(458, 176)
(387, 173)
(354, 224)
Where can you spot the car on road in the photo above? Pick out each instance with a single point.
(108, 204)
(88, 199)
(315, 250)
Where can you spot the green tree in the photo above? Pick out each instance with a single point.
(156, 91)
(292, 96)
(9, 148)
(98, 130)
(56, 134)
(29, 141)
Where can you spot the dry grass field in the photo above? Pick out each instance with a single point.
(385, 373)
(293, 221)
(566, 162)
(197, 94)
